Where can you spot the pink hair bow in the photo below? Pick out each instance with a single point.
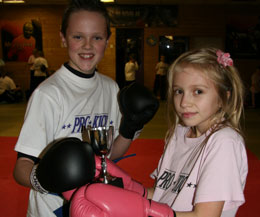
(224, 58)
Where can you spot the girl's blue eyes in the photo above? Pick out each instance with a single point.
(176, 92)
(198, 92)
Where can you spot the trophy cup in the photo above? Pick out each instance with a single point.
(101, 139)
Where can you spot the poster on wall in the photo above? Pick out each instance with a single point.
(143, 16)
(243, 36)
(19, 39)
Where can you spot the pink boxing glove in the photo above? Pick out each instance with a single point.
(100, 200)
(116, 171)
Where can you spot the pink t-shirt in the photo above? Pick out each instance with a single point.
(216, 171)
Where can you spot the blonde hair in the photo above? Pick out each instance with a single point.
(227, 81)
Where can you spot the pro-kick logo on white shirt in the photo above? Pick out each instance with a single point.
(98, 120)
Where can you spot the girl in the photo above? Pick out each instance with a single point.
(203, 170)
(204, 167)
(76, 95)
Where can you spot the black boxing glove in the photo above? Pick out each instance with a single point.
(138, 106)
(69, 163)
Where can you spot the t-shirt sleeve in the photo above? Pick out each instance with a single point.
(117, 110)
(155, 173)
(39, 125)
(223, 171)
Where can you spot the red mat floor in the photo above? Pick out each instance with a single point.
(14, 198)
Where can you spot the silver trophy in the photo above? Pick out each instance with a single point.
(101, 139)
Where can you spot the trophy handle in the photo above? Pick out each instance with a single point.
(85, 134)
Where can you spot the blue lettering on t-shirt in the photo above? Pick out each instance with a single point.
(99, 120)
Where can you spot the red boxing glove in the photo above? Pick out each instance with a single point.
(116, 171)
(100, 200)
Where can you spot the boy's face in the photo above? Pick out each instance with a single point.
(86, 40)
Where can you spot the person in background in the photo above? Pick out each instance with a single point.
(9, 91)
(72, 98)
(30, 64)
(31, 59)
(40, 70)
(160, 84)
(255, 88)
(204, 167)
(131, 67)
(23, 45)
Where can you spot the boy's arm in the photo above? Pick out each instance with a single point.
(22, 171)
(138, 106)
(120, 147)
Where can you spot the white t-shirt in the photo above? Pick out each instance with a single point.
(130, 70)
(38, 62)
(219, 174)
(6, 83)
(31, 61)
(59, 107)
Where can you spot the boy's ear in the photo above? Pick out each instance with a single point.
(63, 40)
(107, 42)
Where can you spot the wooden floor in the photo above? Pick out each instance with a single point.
(11, 120)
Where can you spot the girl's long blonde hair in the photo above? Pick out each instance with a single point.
(227, 82)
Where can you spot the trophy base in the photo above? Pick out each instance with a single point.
(115, 181)
(118, 182)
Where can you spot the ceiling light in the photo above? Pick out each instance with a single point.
(107, 1)
(12, 1)
(170, 37)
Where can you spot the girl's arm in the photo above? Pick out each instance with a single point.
(206, 209)
(212, 209)
(150, 192)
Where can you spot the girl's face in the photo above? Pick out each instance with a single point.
(86, 40)
(195, 98)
